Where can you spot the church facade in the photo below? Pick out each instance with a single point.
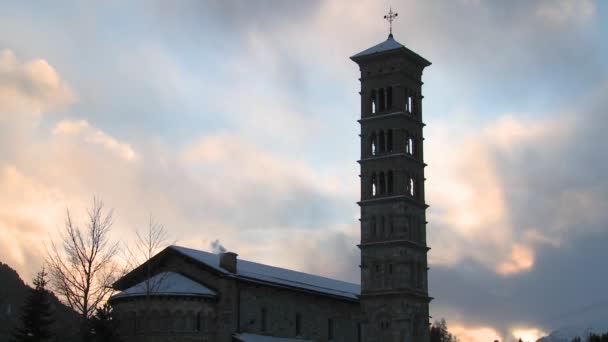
(183, 294)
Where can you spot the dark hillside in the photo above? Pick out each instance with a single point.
(14, 291)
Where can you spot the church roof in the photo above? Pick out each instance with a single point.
(389, 45)
(261, 338)
(252, 271)
(167, 284)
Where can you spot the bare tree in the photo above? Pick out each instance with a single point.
(82, 268)
(147, 245)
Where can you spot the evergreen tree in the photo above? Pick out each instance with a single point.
(104, 326)
(36, 317)
(439, 332)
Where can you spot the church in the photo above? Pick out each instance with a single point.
(183, 294)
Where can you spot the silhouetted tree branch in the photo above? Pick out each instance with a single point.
(82, 268)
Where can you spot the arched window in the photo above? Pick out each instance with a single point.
(381, 100)
(382, 184)
(409, 101)
(381, 142)
(389, 181)
(389, 97)
(373, 142)
(409, 187)
(374, 102)
(389, 140)
(409, 145)
(374, 184)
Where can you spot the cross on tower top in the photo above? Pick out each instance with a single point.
(390, 17)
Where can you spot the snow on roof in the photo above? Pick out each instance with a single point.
(388, 45)
(261, 338)
(279, 276)
(167, 284)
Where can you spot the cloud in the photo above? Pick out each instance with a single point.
(242, 128)
(566, 11)
(30, 87)
(94, 136)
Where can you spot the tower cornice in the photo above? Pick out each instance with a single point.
(394, 242)
(393, 198)
(400, 114)
(391, 156)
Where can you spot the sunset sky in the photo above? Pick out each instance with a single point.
(236, 120)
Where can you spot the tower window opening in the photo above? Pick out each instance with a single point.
(374, 185)
(382, 142)
(409, 102)
(389, 181)
(410, 186)
(330, 329)
(382, 226)
(374, 100)
(374, 144)
(409, 146)
(389, 97)
(389, 140)
(381, 100)
(382, 184)
(390, 268)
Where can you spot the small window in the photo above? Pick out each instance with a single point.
(389, 140)
(381, 100)
(389, 97)
(298, 324)
(330, 329)
(263, 321)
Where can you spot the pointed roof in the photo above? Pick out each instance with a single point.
(389, 45)
(253, 271)
(167, 284)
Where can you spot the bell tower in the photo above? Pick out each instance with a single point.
(394, 291)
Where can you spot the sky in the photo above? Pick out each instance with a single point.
(236, 121)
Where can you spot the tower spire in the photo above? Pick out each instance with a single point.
(390, 17)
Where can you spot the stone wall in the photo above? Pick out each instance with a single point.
(171, 319)
(282, 307)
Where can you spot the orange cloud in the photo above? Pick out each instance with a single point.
(469, 195)
(475, 334)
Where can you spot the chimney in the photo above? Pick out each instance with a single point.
(228, 261)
